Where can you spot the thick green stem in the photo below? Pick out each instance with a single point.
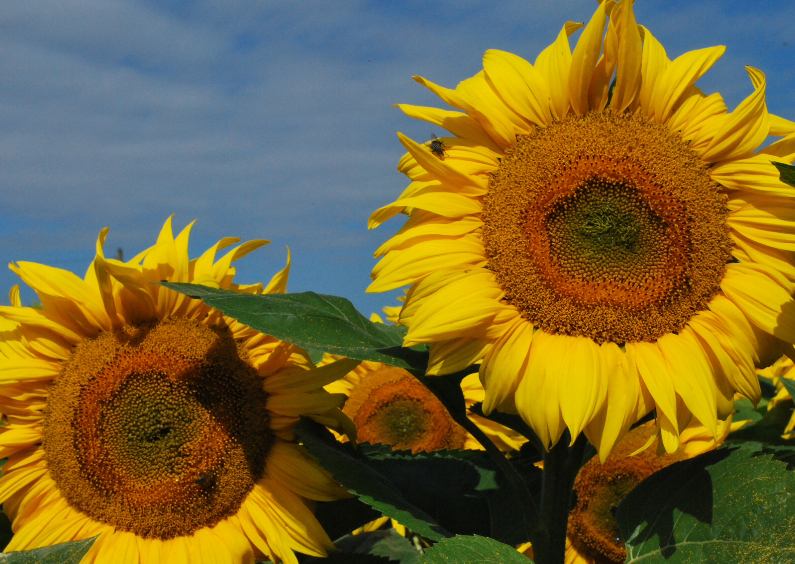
(523, 497)
(561, 465)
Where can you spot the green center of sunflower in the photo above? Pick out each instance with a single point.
(402, 420)
(159, 429)
(606, 226)
(391, 407)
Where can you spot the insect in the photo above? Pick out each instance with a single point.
(206, 480)
(437, 146)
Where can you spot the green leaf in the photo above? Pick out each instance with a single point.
(386, 543)
(733, 505)
(745, 411)
(312, 321)
(789, 385)
(443, 484)
(472, 550)
(360, 479)
(65, 553)
(768, 429)
(462, 490)
(787, 172)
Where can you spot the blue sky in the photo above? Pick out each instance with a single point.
(273, 119)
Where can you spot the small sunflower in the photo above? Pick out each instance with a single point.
(147, 418)
(605, 250)
(390, 406)
(593, 536)
(783, 368)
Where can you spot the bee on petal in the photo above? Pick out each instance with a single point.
(437, 146)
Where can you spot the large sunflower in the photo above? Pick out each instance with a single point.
(605, 249)
(142, 416)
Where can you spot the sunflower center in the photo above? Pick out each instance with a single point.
(391, 407)
(159, 429)
(606, 226)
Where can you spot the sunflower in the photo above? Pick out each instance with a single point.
(390, 406)
(604, 249)
(593, 536)
(144, 417)
(782, 369)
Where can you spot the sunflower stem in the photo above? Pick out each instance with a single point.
(561, 465)
(523, 497)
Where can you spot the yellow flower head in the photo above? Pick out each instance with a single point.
(390, 406)
(147, 418)
(603, 235)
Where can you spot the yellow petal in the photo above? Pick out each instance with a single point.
(744, 129)
(520, 85)
(630, 57)
(448, 357)
(161, 264)
(582, 387)
(669, 434)
(681, 73)
(617, 414)
(294, 405)
(718, 361)
(457, 123)
(484, 104)
(12, 482)
(771, 225)
(291, 466)
(754, 174)
(68, 289)
(784, 148)
(278, 284)
(599, 89)
(692, 378)
(554, 64)
(654, 372)
(230, 532)
(400, 268)
(537, 397)
(421, 225)
(13, 296)
(761, 295)
(438, 168)
(304, 533)
(781, 127)
(505, 365)
(584, 59)
(751, 251)
(655, 63)
(309, 380)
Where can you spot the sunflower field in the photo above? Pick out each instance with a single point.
(592, 362)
